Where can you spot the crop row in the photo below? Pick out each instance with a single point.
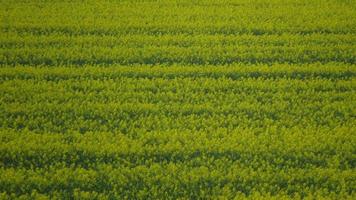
(169, 32)
(177, 17)
(331, 71)
(97, 55)
(181, 40)
(290, 162)
(279, 147)
(127, 99)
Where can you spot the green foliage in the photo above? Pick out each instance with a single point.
(223, 99)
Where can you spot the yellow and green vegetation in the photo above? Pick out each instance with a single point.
(177, 99)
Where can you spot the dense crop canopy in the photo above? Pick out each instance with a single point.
(212, 99)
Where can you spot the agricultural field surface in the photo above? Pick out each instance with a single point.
(178, 99)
